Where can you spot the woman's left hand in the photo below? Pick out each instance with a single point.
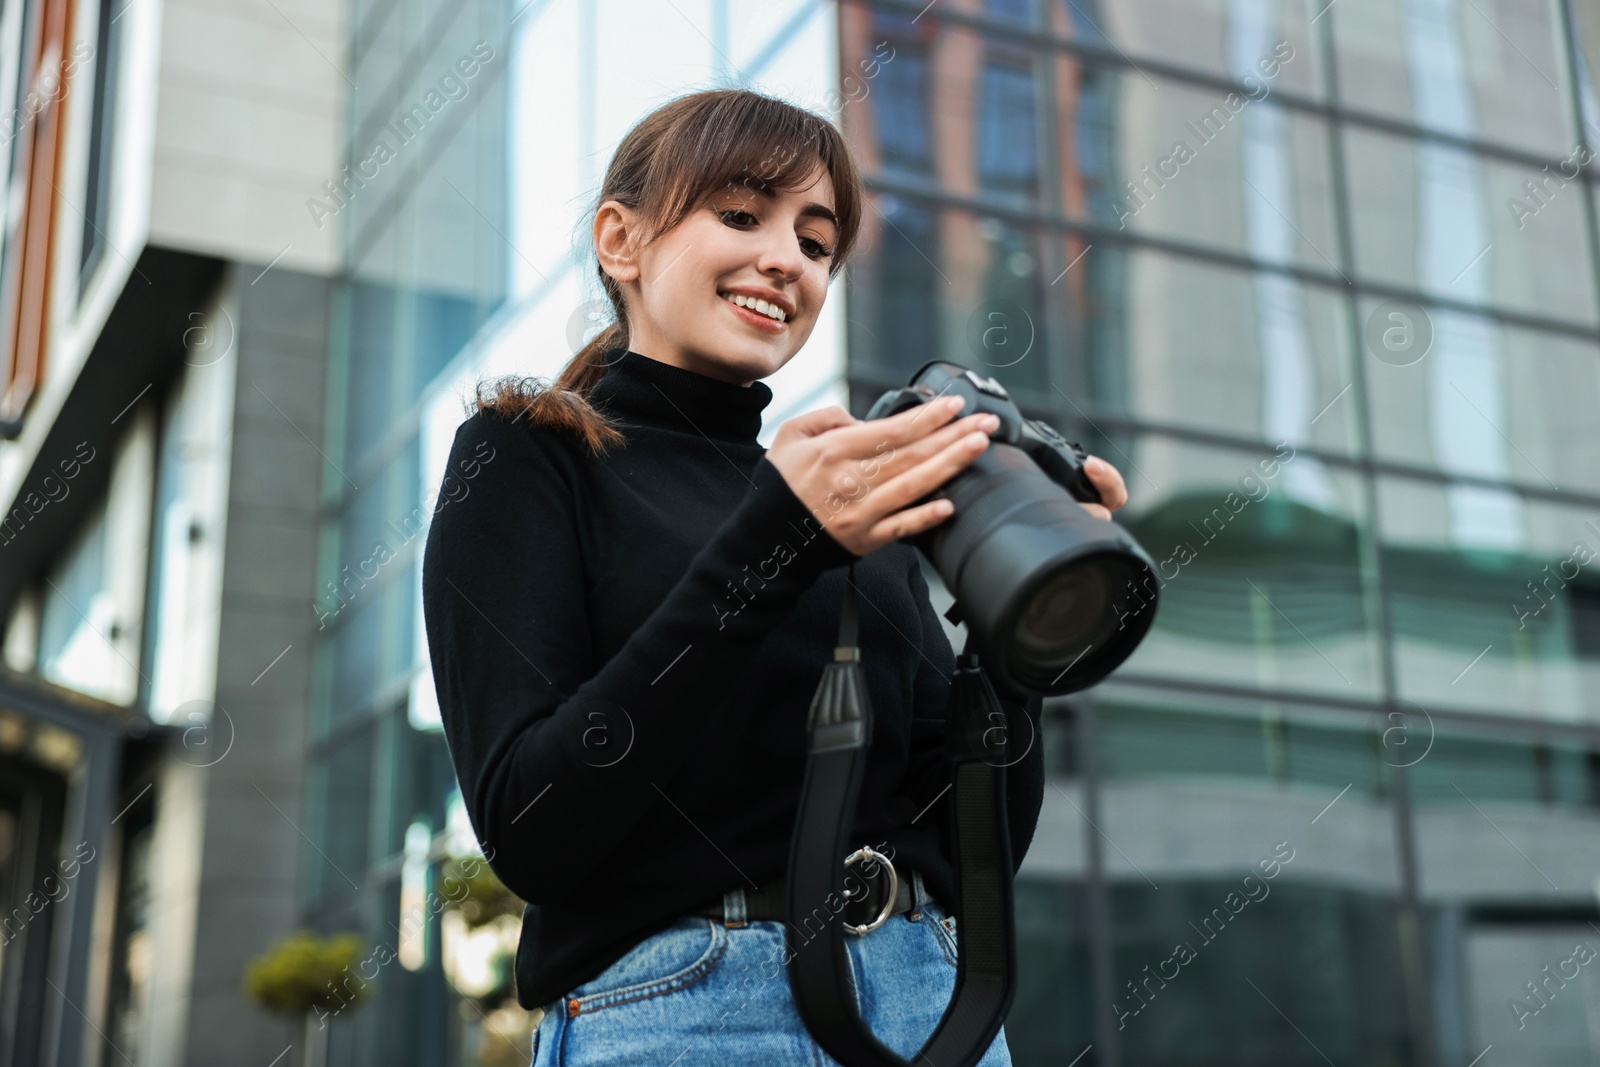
(1108, 480)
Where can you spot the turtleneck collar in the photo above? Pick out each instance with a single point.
(649, 392)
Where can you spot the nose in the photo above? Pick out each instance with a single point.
(782, 257)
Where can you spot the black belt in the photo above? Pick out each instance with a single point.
(769, 902)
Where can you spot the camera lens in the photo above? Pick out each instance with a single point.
(1070, 613)
(1055, 596)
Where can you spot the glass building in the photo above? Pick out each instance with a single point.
(1320, 279)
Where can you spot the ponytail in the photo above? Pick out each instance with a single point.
(563, 404)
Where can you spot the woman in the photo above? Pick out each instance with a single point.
(631, 605)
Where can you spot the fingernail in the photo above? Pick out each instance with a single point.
(990, 422)
(977, 440)
(1095, 465)
(954, 403)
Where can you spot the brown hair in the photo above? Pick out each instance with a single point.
(668, 164)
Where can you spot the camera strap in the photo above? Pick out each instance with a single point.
(839, 730)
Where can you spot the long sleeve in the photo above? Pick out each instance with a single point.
(928, 770)
(533, 725)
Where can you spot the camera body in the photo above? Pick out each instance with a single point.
(1061, 460)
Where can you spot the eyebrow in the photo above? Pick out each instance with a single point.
(813, 209)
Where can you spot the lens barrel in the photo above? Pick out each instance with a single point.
(1056, 598)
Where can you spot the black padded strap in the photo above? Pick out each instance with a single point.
(847, 614)
(840, 732)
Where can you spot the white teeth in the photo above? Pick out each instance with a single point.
(770, 310)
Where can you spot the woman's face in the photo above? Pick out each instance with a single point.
(773, 245)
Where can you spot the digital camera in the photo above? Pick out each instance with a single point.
(1054, 598)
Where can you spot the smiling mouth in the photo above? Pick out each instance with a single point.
(756, 307)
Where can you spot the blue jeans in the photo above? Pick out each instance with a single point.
(708, 991)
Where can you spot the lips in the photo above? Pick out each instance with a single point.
(750, 296)
(755, 318)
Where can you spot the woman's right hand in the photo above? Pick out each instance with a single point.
(857, 476)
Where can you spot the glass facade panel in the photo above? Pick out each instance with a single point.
(1243, 174)
(1218, 39)
(1490, 70)
(1167, 340)
(341, 793)
(1255, 886)
(1483, 399)
(1052, 1016)
(951, 285)
(1507, 831)
(1260, 560)
(1492, 599)
(418, 781)
(1456, 226)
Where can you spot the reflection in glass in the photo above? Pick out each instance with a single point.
(1507, 631)
(1051, 1019)
(897, 326)
(1007, 158)
(1482, 69)
(1487, 399)
(341, 792)
(1261, 586)
(1168, 340)
(1441, 220)
(1235, 172)
(1202, 35)
(1250, 847)
(1507, 832)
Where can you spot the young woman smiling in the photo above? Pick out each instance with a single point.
(629, 613)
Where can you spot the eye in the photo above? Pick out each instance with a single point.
(817, 249)
(822, 252)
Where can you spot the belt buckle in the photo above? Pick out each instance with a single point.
(888, 903)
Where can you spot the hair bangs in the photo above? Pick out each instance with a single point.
(747, 140)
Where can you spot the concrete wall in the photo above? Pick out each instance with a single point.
(246, 880)
(249, 124)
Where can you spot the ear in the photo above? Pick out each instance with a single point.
(615, 226)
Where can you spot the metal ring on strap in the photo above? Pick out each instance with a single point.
(867, 852)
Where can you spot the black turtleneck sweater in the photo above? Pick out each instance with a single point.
(625, 650)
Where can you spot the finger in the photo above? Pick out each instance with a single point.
(822, 420)
(925, 477)
(895, 459)
(910, 521)
(1108, 480)
(897, 430)
(1099, 511)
